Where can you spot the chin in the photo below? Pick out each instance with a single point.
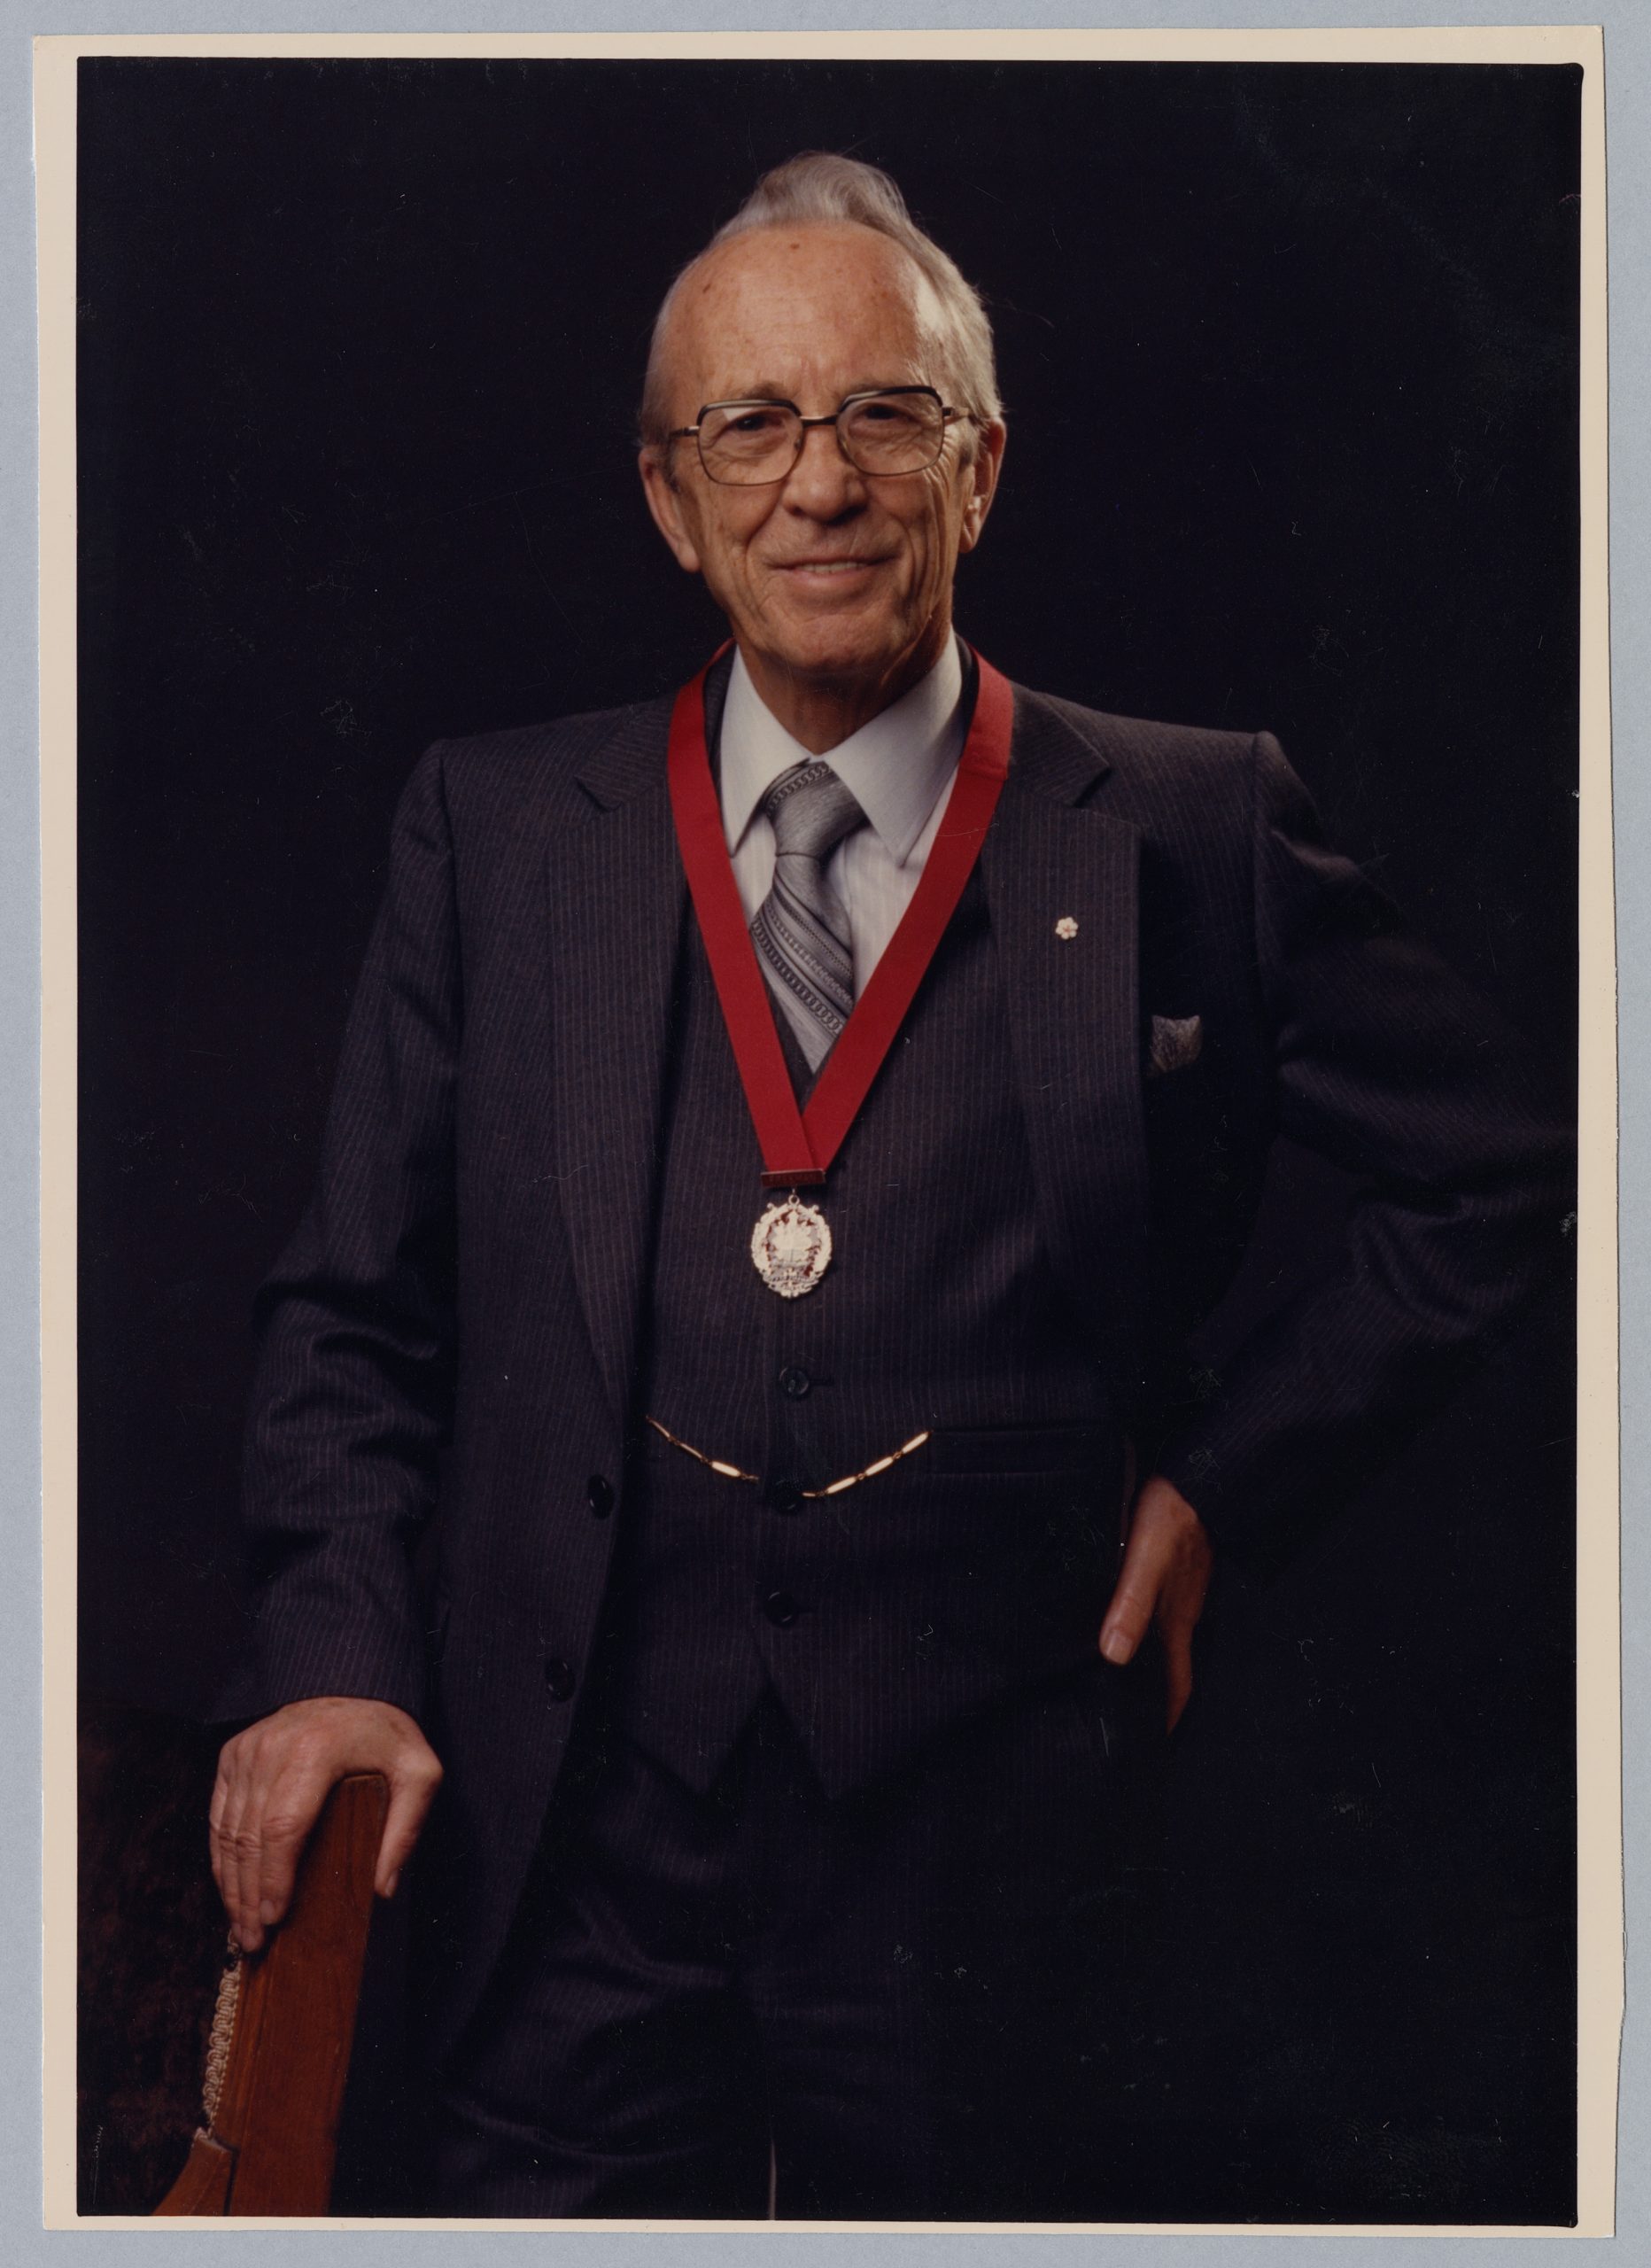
(839, 650)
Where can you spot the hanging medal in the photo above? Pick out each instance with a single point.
(791, 1244)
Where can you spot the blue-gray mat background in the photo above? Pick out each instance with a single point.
(1628, 53)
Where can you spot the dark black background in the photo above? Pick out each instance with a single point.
(1288, 357)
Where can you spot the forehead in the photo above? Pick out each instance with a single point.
(839, 305)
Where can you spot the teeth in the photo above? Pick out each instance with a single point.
(830, 566)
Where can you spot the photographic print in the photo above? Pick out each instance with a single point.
(826, 891)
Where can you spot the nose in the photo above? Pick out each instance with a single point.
(822, 482)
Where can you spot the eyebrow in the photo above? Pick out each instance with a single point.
(770, 390)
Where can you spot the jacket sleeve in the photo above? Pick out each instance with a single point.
(351, 1401)
(1384, 1062)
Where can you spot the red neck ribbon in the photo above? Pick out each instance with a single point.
(798, 1145)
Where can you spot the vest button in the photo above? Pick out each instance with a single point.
(559, 1678)
(599, 1494)
(781, 1609)
(785, 1496)
(795, 1381)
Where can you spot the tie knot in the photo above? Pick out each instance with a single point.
(810, 810)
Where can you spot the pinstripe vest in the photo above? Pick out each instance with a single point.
(886, 1610)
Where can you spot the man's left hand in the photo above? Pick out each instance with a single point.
(1166, 1574)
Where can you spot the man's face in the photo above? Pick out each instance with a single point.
(831, 580)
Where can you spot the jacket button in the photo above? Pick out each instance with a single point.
(795, 1381)
(785, 1496)
(559, 1678)
(598, 1494)
(781, 1609)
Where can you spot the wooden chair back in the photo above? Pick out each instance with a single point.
(282, 2035)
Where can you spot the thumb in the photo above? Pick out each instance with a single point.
(1129, 1613)
(412, 1792)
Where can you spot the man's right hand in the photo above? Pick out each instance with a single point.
(272, 1782)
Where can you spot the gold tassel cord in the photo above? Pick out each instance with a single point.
(222, 2037)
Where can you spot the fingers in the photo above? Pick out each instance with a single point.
(228, 1796)
(235, 1837)
(264, 1804)
(413, 1785)
(272, 1780)
(272, 1841)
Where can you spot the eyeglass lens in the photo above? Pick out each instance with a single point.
(754, 441)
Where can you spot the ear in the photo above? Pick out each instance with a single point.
(664, 502)
(984, 470)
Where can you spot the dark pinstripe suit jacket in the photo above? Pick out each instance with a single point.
(465, 1290)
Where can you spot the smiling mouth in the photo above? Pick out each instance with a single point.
(826, 566)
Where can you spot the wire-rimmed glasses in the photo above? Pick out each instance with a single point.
(755, 441)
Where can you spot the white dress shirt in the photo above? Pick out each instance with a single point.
(900, 768)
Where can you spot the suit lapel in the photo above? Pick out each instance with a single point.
(618, 903)
(1053, 860)
(617, 900)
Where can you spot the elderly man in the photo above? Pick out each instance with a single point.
(784, 1139)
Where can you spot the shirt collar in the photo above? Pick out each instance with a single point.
(896, 766)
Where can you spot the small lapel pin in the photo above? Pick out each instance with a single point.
(1065, 928)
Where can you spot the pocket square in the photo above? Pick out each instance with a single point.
(1177, 1042)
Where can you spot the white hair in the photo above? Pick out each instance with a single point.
(820, 187)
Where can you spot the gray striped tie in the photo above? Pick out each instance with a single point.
(799, 929)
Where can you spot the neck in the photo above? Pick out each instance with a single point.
(821, 711)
